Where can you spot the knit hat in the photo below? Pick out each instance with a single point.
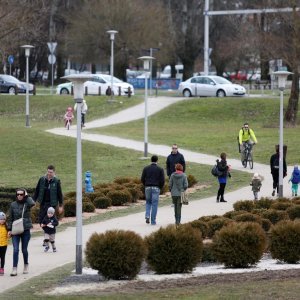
(2, 216)
(51, 210)
(255, 176)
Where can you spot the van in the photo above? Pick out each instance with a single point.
(166, 73)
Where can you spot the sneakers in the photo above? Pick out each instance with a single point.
(26, 269)
(1, 271)
(273, 193)
(147, 220)
(13, 272)
(54, 249)
(46, 249)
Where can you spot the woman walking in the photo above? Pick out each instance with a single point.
(20, 208)
(177, 184)
(224, 169)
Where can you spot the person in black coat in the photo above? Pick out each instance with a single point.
(274, 165)
(174, 158)
(49, 224)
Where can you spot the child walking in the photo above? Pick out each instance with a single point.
(256, 185)
(295, 179)
(49, 224)
(3, 241)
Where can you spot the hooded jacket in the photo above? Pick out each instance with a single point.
(178, 183)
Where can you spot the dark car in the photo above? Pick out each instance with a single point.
(11, 85)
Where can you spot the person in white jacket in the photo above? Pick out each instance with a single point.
(84, 109)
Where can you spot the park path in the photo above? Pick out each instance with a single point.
(41, 262)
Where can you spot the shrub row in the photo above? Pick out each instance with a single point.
(119, 254)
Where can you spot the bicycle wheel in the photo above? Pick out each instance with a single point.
(68, 125)
(245, 159)
(250, 159)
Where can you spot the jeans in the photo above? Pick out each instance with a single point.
(177, 208)
(152, 197)
(24, 237)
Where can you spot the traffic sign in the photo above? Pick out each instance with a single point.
(10, 59)
(51, 59)
(52, 46)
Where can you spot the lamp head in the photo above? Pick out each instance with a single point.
(78, 81)
(146, 60)
(112, 34)
(27, 49)
(282, 76)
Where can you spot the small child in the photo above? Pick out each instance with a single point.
(3, 241)
(49, 224)
(256, 185)
(295, 179)
(68, 115)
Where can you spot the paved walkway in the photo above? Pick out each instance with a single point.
(41, 262)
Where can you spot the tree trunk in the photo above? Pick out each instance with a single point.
(290, 116)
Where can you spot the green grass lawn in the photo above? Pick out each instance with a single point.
(211, 125)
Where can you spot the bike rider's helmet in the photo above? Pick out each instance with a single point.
(70, 109)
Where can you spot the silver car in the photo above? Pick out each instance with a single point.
(210, 86)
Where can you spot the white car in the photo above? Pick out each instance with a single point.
(98, 85)
(213, 86)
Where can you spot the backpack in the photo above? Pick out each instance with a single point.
(215, 171)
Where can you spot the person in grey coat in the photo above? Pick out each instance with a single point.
(256, 185)
(177, 184)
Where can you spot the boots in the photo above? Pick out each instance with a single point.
(14, 272)
(222, 199)
(26, 269)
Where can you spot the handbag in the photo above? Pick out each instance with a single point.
(184, 198)
(17, 225)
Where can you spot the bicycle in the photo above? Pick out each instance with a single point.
(68, 123)
(248, 156)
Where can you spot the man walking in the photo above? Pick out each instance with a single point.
(48, 193)
(153, 179)
(174, 158)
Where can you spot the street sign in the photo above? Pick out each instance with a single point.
(10, 59)
(52, 46)
(51, 59)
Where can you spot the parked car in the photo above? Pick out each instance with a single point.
(240, 75)
(214, 86)
(99, 82)
(11, 85)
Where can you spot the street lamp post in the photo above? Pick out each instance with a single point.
(78, 81)
(282, 76)
(146, 60)
(27, 54)
(112, 38)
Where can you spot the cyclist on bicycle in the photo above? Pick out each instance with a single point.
(68, 116)
(246, 136)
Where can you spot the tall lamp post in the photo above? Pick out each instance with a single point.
(27, 54)
(282, 76)
(78, 81)
(146, 60)
(112, 38)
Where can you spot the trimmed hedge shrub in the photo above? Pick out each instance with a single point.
(88, 206)
(275, 215)
(263, 203)
(281, 205)
(239, 245)
(70, 208)
(102, 202)
(207, 253)
(172, 250)
(216, 224)
(266, 224)
(246, 205)
(191, 180)
(116, 254)
(208, 218)
(294, 212)
(5, 204)
(285, 241)
(118, 198)
(122, 180)
(34, 213)
(202, 226)
(71, 195)
(248, 217)
(231, 214)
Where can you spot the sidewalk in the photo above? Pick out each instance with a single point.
(41, 262)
